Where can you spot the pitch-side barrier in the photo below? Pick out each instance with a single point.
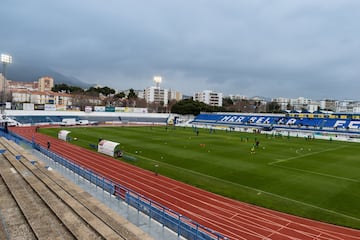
(178, 223)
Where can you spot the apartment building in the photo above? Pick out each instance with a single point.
(156, 95)
(209, 97)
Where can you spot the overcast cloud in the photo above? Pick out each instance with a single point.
(270, 48)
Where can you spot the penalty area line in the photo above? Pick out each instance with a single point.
(317, 173)
(305, 155)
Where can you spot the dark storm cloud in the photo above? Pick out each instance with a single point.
(259, 47)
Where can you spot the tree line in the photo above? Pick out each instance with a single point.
(92, 91)
(185, 106)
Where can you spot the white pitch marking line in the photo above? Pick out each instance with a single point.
(264, 192)
(305, 155)
(320, 174)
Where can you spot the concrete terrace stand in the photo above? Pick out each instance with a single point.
(50, 207)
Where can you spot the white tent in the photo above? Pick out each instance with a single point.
(109, 148)
(64, 135)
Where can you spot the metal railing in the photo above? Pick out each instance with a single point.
(178, 223)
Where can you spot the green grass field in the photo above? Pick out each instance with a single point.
(311, 178)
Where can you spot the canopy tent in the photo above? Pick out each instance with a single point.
(64, 135)
(109, 148)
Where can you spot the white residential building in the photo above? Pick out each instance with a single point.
(328, 104)
(238, 97)
(36, 97)
(209, 97)
(348, 106)
(299, 103)
(313, 106)
(175, 95)
(156, 95)
(21, 96)
(283, 102)
(42, 84)
(45, 84)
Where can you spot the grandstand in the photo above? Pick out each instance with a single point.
(224, 120)
(317, 122)
(336, 124)
(277, 121)
(320, 114)
(320, 123)
(17, 117)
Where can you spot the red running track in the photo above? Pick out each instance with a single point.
(233, 219)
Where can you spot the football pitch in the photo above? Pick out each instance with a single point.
(317, 179)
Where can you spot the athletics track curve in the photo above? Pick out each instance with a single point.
(233, 219)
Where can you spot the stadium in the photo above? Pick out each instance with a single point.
(215, 176)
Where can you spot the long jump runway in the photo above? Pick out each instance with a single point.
(233, 219)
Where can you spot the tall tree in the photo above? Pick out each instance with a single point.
(106, 91)
(132, 94)
(189, 106)
(62, 87)
(227, 102)
(273, 107)
(119, 95)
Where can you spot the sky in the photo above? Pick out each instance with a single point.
(269, 48)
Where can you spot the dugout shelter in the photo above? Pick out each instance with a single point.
(109, 148)
(64, 135)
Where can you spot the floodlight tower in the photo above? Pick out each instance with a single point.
(5, 59)
(157, 81)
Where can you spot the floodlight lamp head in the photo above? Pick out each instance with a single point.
(157, 79)
(5, 58)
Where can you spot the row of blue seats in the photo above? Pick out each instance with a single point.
(57, 119)
(40, 119)
(276, 120)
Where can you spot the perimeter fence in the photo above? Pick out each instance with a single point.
(178, 223)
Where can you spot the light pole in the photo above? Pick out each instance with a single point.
(157, 80)
(5, 59)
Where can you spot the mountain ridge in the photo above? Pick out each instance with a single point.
(27, 73)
